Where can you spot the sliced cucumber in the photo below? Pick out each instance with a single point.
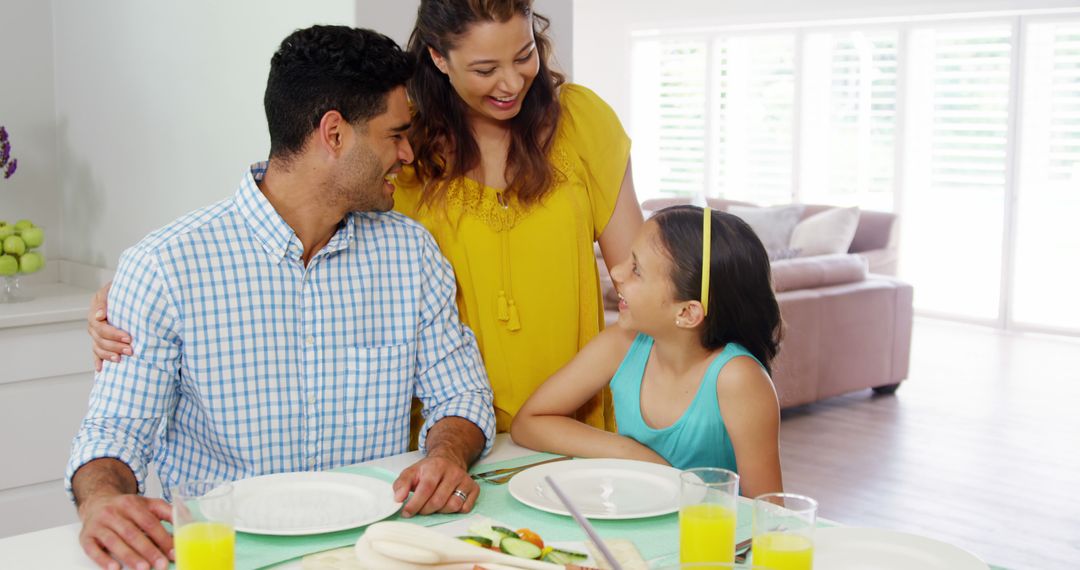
(578, 556)
(488, 533)
(556, 558)
(505, 532)
(520, 548)
(564, 557)
(477, 540)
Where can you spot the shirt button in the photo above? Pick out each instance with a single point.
(310, 340)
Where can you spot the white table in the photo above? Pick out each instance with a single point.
(58, 548)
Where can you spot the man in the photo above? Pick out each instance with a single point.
(289, 327)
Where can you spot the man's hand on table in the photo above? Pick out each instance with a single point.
(440, 482)
(119, 527)
(126, 528)
(433, 481)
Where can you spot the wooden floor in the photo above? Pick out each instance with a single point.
(980, 447)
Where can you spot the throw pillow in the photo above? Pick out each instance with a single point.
(826, 232)
(773, 226)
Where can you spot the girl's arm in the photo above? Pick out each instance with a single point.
(751, 415)
(545, 422)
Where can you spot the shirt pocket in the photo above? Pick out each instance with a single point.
(379, 384)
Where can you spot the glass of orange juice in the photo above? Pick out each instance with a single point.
(784, 531)
(707, 511)
(203, 533)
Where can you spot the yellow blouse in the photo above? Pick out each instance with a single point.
(527, 279)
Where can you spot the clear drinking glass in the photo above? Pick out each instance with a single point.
(784, 531)
(203, 533)
(708, 507)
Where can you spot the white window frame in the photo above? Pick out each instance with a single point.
(1018, 20)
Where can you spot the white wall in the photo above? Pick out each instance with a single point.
(26, 108)
(561, 14)
(396, 19)
(602, 28)
(159, 107)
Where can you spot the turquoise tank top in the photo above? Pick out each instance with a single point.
(698, 438)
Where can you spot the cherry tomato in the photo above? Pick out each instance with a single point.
(530, 536)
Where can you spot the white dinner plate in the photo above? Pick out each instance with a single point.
(601, 488)
(290, 504)
(847, 548)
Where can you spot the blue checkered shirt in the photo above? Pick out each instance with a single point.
(246, 362)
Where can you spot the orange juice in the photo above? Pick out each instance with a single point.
(706, 533)
(205, 546)
(781, 551)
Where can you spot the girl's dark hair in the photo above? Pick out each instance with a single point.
(442, 141)
(325, 68)
(742, 306)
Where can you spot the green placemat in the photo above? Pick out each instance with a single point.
(258, 551)
(654, 537)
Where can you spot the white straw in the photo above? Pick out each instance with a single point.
(584, 524)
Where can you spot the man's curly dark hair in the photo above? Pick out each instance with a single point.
(326, 68)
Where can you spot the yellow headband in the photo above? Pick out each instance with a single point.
(706, 258)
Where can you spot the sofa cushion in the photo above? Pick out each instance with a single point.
(818, 271)
(825, 233)
(773, 226)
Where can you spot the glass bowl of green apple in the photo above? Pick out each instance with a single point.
(19, 255)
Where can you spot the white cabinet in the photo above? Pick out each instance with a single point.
(46, 375)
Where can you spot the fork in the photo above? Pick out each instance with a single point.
(502, 476)
(501, 479)
(740, 553)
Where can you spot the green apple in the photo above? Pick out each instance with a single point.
(31, 262)
(23, 224)
(33, 236)
(14, 245)
(8, 265)
(5, 231)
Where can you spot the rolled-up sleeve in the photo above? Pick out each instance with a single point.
(451, 380)
(132, 398)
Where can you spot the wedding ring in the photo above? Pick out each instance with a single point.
(461, 495)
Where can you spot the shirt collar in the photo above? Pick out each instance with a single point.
(270, 229)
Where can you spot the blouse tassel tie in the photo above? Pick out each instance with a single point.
(506, 309)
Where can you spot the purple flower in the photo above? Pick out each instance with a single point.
(7, 164)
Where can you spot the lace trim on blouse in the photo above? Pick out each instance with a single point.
(499, 212)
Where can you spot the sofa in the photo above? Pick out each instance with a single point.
(847, 318)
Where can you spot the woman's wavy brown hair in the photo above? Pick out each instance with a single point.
(442, 141)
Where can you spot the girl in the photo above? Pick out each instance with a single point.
(688, 364)
(516, 174)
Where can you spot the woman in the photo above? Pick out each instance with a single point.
(516, 175)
